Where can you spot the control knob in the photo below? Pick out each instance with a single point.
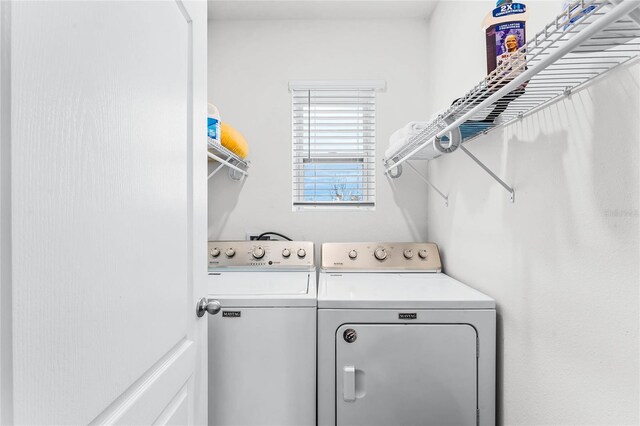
(230, 252)
(380, 253)
(353, 254)
(258, 253)
(302, 253)
(408, 253)
(215, 252)
(286, 252)
(423, 254)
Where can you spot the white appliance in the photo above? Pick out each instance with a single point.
(262, 343)
(399, 342)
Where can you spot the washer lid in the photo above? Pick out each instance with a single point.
(398, 291)
(263, 288)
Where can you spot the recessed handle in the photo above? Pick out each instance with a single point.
(349, 383)
(207, 305)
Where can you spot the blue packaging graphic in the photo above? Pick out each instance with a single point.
(508, 9)
(505, 34)
(509, 38)
(213, 129)
(584, 12)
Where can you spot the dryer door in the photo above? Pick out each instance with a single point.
(399, 374)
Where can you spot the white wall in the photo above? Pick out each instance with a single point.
(250, 65)
(562, 262)
(6, 336)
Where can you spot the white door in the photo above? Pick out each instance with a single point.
(103, 237)
(399, 374)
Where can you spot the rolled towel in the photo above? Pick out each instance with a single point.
(233, 140)
(449, 143)
(416, 126)
(400, 137)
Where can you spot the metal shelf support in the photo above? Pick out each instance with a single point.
(510, 190)
(435, 188)
(221, 165)
(226, 158)
(225, 162)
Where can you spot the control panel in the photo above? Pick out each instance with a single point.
(261, 254)
(422, 257)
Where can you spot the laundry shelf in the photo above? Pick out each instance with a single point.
(225, 158)
(589, 39)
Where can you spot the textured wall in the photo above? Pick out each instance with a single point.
(562, 262)
(250, 65)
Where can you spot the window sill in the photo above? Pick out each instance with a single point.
(334, 207)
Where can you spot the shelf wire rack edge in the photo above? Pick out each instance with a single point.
(557, 61)
(566, 92)
(226, 158)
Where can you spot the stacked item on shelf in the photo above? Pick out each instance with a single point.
(400, 138)
(213, 124)
(233, 140)
(588, 39)
(226, 145)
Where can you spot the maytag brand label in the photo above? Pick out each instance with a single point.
(405, 316)
(231, 314)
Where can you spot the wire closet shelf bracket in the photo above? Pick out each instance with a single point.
(587, 40)
(225, 158)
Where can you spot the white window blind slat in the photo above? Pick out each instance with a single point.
(333, 145)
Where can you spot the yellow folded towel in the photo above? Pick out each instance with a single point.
(233, 140)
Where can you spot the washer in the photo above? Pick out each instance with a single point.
(399, 342)
(262, 344)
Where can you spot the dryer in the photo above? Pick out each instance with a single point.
(262, 343)
(399, 342)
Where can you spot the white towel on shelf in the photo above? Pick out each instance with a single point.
(400, 137)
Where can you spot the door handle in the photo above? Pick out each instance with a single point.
(349, 383)
(207, 305)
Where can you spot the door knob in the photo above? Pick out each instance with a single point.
(207, 305)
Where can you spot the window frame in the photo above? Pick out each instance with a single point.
(368, 160)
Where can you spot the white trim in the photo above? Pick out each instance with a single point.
(340, 208)
(323, 140)
(6, 238)
(377, 85)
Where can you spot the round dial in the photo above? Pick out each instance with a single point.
(408, 253)
(215, 252)
(353, 254)
(230, 252)
(302, 253)
(258, 253)
(423, 254)
(286, 252)
(380, 253)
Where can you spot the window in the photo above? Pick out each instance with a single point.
(334, 138)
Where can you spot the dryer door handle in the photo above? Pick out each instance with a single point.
(349, 383)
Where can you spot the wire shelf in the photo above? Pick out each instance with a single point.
(589, 39)
(236, 165)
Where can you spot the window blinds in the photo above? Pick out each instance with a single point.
(333, 146)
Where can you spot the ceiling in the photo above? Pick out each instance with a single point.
(319, 9)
